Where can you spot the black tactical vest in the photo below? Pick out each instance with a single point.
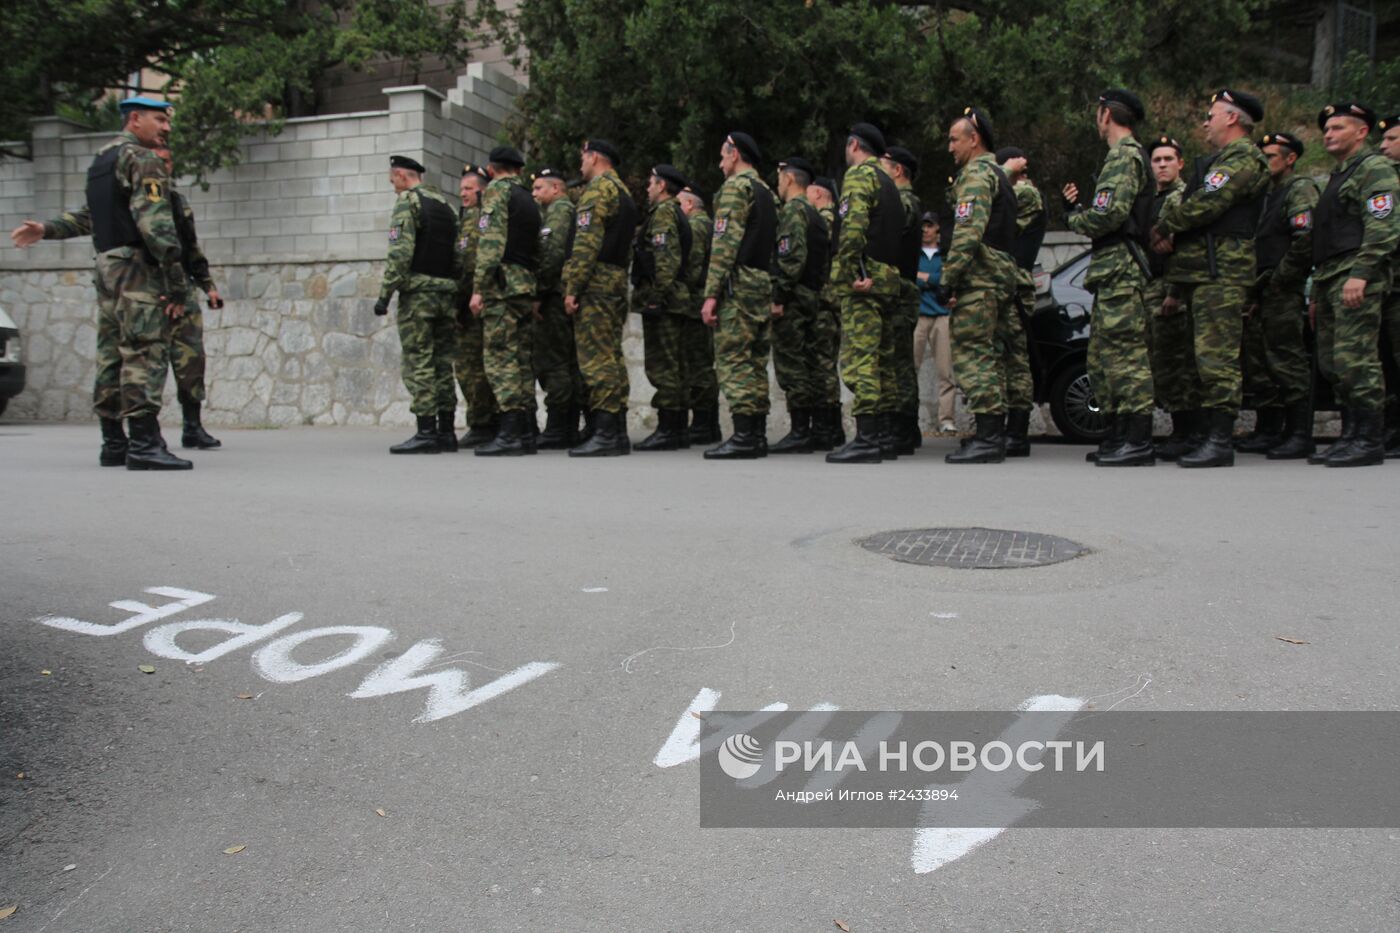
(886, 229)
(522, 229)
(1335, 232)
(435, 241)
(1001, 226)
(910, 244)
(112, 223)
(760, 229)
(1028, 241)
(644, 253)
(184, 228)
(1138, 226)
(1275, 230)
(1237, 222)
(1157, 262)
(818, 264)
(617, 238)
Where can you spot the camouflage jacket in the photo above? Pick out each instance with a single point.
(1029, 204)
(1371, 194)
(970, 262)
(403, 235)
(662, 239)
(496, 278)
(701, 230)
(598, 207)
(732, 206)
(468, 232)
(196, 264)
(1123, 175)
(1239, 173)
(556, 225)
(790, 255)
(860, 193)
(1291, 274)
(913, 224)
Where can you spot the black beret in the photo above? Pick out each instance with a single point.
(506, 155)
(904, 157)
(473, 169)
(671, 174)
(1246, 102)
(405, 162)
(1128, 99)
(869, 134)
(1007, 153)
(798, 164)
(981, 123)
(746, 146)
(930, 217)
(690, 189)
(1388, 123)
(824, 182)
(1347, 109)
(1164, 141)
(1286, 140)
(605, 149)
(551, 172)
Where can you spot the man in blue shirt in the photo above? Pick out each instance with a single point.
(932, 329)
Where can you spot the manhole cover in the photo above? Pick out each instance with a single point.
(972, 548)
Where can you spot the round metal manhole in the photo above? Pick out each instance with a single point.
(973, 548)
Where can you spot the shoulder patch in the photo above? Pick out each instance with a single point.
(1381, 205)
(394, 233)
(1216, 180)
(964, 211)
(1301, 220)
(845, 207)
(462, 244)
(484, 222)
(155, 191)
(784, 245)
(721, 225)
(584, 219)
(658, 239)
(545, 232)
(1103, 200)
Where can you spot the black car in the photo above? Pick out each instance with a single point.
(11, 369)
(1058, 335)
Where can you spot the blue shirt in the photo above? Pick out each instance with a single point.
(933, 265)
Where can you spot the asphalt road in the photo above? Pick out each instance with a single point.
(646, 580)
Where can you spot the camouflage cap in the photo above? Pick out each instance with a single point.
(1287, 140)
(1348, 108)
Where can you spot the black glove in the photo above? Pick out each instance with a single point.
(381, 307)
(216, 303)
(1070, 206)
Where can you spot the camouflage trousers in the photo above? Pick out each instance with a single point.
(128, 303)
(187, 354)
(826, 348)
(664, 361)
(556, 356)
(1120, 371)
(698, 354)
(1348, 344)
(1276, 370)
(428, 338)
(797, 355)
(1217, 323)
(1169, 347)
(508, 325)
(904, 319)
(602, 313)
(107, 386)
(991, 362)
(867, 359)
(741, 343)
(468, 358)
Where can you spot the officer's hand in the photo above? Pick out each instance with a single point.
(1312, 314)
(27, 234)
(1161, 243)
(923, 277)
(1170, 306)
(215, 302)
(478, 304)
(381, 307)
(1070, 193)
(1251, 309)
(863, 285)
(571, 305)
(1014, 166)
(173, 309)
(707, 312)
(1353, 292)
(776, 310)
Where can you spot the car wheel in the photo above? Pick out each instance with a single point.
(1074, 408)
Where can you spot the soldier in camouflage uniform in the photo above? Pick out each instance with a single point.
(901, 165)
(1120, 372)
(865, 279)
(595, 295)
(739, 295)
(697, 340)
(1356, 229)
(800, 263)
(828, 431)
(978, 286)
(1031, 221)
(468, 357)
(660, 268)
(1212, 266)
(1390, 312)
(424, 267)
(556, 356)
(1274, 358)
(503, 296)
(141, 283)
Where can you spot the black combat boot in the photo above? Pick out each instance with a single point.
(826, 421)
(799, 440)
(1297, 443)
(146, 449)
(1018, 427)
(1136, 449)
(1268, 432)
(838, 427)
(864, 447)
(904, 428)
(114, 444)
(560, 429)
(1367, 446)
(1392, 431)
(482, 433)
(988, 445)
(193, 436)
(447, 431)
(1117, 433)
(916, 433)
(1348, 430)
(884, 437)
(670, 431)
(510, 439)
(704, 426)
(1183, 437)
(749, 441)
(1216, 450)
(424, 442)
(609, 437)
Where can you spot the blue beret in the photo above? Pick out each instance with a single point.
(143, 103)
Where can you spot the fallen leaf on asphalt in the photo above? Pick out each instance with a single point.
(697, 715)
(46, 673)
(20, 776)
(841, 925)
(146, 669)
(243, 696)
(380, 812)
(69, 867)
(1291, 641)
(6, 911)
(234, 850)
